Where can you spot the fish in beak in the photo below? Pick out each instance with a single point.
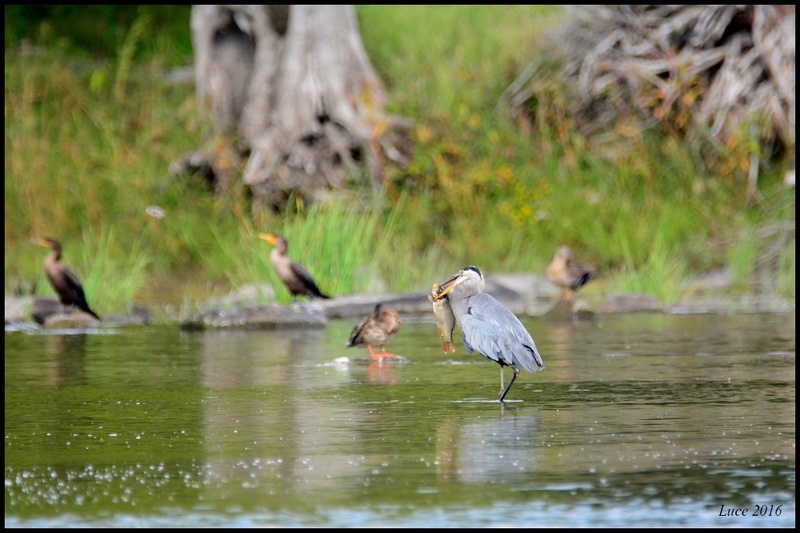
(443, 289)
(445, 321)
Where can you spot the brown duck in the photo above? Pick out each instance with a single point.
(296, 278)
(568, 274)
(376, 329)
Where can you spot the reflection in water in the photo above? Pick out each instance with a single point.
(650, 420)
(68, 356)
(490, 451)
(266, 425)
(381, 373)
(237, 358)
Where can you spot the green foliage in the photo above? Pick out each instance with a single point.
(742, 257)
(115, 270)
(787, 269)
(99, 30)
(660, 273)
(347, 260)
(92, 126)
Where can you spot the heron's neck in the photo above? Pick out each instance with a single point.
(459, 308)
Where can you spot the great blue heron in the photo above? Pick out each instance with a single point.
(376, 329)
(63, 279)
(568, 274)
(488, 327)
(296, 278)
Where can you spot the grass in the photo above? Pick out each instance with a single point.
(90, 136)
(660, 274)
(114, 270)
(344, 261)
(742, 258)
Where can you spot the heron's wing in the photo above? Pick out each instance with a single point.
(492, 330)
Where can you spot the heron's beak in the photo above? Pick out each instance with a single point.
(39, 242)
(447, 285)
(269, 237)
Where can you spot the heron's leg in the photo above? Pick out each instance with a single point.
(516, 373)
(502, 380)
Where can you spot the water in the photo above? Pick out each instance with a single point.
(638, 420)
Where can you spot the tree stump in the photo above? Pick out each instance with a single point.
(295, 102)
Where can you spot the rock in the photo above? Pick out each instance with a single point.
(262, 317)
(247, 296)
(523, 293)
(628, 303)
(139, 316)
(359, 305)
(578, 309)
(42, 308)
(582, 310)
(718, 281)
(750, 303)
(74, 320)
(17, 309)
(561, 310)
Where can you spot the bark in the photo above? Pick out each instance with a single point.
(292, 89)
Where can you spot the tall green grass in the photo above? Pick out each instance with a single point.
(349, 248)
(89, 139)
(115, 271)
(660, 274)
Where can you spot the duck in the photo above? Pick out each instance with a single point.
(376, 329)
(568, 274)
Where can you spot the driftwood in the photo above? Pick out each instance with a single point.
(295, 102)
(729, 68)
